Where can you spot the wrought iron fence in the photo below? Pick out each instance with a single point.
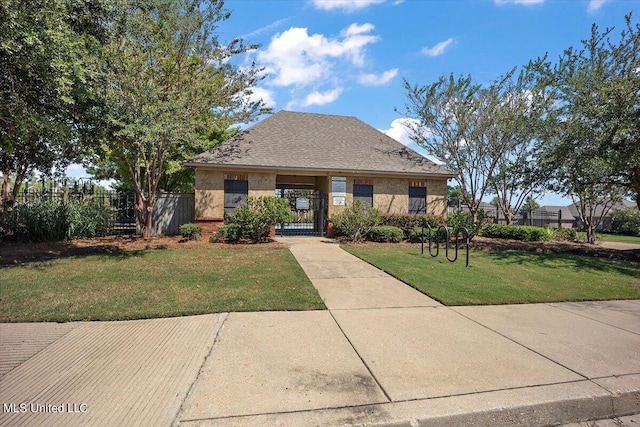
(535, 217)
(119, 205)
(170, 211)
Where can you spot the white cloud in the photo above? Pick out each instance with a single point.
(344, 5)
(296, 58)
(258, 93)
(377, 79)
(439, 48)
(322, 98)
(594, 5)
(400, 130)
(524, 2)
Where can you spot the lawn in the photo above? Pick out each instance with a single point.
(155, 283)
(507, 277)
(617, 238)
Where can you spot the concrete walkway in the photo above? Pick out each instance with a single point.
(383, 354)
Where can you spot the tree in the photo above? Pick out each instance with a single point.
(530, 204)
(169, 78)
(519, 113)
(454, 195)
(595, 117)
(454, 122)
(49, 63)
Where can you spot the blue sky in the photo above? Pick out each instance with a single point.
(350, 57)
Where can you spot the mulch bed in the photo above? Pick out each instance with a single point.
(12, 253)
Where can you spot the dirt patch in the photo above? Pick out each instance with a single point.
(12, 253)
(488, 244)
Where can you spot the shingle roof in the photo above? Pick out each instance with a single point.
(598, 210)
(292, 140)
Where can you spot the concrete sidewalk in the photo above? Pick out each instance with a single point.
(383, 354)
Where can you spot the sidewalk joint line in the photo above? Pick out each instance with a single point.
(386, 395)
(176, 421)
(521, 345)
(556, 306)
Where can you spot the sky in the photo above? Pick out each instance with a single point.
(351, 57)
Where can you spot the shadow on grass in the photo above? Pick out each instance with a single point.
(107, 253)
(559, 260)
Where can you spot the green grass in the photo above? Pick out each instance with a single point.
(507, 277)
(155, 283)
(615, 238)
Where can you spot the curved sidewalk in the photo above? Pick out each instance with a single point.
(382, 354)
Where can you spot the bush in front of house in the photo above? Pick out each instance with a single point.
(191, 231)
(517, 232)
(416, 235)
(627, 221)
(461, 219)
(407, 223)
(355, 221)
(385, 234)
(259, 215)
(230, 233)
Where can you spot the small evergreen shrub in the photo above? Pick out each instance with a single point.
(568, 234)
(191, 231)
(385, 234)
(517, 232)
(408, 222)
(260, 214)
(415, 236)
(230, 233)
(355, 221)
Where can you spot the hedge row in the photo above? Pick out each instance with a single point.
(517, 232)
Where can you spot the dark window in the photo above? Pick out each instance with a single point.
(418, 200)
(363, 192)
(235, 194)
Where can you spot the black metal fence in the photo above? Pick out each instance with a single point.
(535, 217)
(170, 211)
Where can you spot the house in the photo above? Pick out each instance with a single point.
(326, 161)
(606, 224)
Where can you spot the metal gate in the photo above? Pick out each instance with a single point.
(308, 210)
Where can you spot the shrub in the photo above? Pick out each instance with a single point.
(355, 221)
(408, 222)
(569, 234)
(385, 234)
(517, 232)
(260, 214)
(230, 233)
(191, 231)
(415, 236)
(54, 220)
(627, 220)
